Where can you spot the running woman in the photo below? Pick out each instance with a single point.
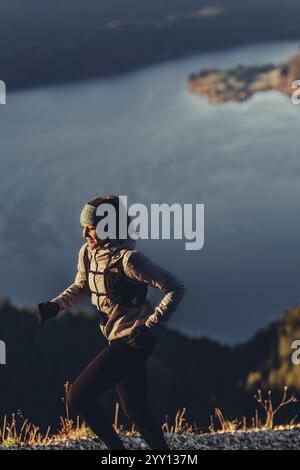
(116, 278)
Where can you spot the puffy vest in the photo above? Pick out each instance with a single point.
(118, 287)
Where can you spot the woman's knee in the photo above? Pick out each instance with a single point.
(136, 414)
(71, 400)
(76, 399)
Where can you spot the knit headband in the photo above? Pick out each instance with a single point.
(88, 216)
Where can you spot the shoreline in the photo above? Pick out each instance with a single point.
(28, 84)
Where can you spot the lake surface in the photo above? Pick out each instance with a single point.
(144, 135)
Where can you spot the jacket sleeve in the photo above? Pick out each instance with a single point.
(76, 291)
(141, 268)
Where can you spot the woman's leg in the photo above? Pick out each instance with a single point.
(133, 394)
(112, 365)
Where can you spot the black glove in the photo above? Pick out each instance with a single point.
(141, 336)
(47, 310)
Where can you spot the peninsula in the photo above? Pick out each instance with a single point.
(239, 84)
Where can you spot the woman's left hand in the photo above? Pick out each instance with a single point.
(140, 336)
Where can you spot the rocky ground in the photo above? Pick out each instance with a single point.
(262, 440)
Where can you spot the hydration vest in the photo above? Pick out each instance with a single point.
(119, 288)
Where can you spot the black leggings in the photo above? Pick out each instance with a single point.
(124, 367)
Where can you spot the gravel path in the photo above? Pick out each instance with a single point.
(262, 440)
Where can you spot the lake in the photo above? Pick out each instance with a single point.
(145, 136)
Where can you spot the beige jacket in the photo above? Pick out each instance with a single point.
(120, 320)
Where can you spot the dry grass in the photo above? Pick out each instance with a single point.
(29, 434)
(180, 425)
(19, 432)
(256, 424)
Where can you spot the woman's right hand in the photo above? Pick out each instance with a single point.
(47, 310)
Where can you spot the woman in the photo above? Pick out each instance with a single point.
(116, 277)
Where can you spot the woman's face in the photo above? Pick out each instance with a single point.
(90, 235)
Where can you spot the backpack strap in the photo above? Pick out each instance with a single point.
(87, 263)
(86, 260)
(119, 274)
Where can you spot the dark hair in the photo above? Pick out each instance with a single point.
(114, 201)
